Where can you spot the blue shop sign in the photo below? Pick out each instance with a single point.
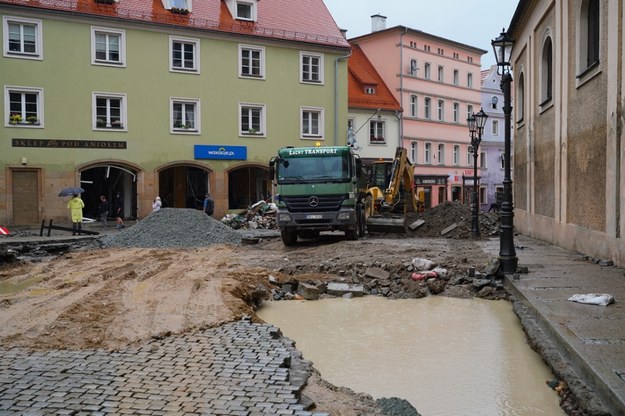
(202, 151)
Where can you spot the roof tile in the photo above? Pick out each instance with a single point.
(362, 73)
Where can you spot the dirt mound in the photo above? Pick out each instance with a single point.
(174, 227)
(444, 215)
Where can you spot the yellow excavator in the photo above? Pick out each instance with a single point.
(391, 195)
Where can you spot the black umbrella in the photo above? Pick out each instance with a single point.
(71, 190)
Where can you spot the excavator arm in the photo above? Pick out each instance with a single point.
(387, 208)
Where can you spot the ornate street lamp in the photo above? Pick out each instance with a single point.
(502, 46)
(476, 122)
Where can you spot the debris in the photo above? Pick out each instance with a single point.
(422, 264)
(442, 216)
(601, 299)
(450, 228)
(423, 275)
(339, 289)
(259, 215)
(416, 224)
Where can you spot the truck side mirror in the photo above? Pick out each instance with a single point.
(272, 167)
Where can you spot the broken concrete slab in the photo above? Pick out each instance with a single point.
(340, 289)
(450, 228)
(377, 273)
(416, 224)
(308, 292)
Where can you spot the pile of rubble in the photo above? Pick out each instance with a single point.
(261, 215)
(452, 220)
(174, 227)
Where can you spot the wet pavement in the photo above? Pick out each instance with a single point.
(237, 369)
(586, 341)
(243, 369)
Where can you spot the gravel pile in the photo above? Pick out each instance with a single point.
(174, 227)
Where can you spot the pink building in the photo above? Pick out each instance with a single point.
(437, 83)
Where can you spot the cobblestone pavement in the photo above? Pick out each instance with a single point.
(236, 369)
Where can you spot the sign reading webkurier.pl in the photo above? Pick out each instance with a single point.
(202, 151)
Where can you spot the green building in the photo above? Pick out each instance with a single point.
(169, 98)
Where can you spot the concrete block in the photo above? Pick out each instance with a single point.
(448, 229)
(340, 289)
(377, 273)
(308, 292)
(416, 224)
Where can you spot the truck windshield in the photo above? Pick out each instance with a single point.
(314, 169)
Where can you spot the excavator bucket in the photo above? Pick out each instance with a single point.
(386, 225)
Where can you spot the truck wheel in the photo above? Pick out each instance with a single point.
(352, 234)
(289, 238)
(362, 221)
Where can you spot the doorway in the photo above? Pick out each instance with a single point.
(25, 197)
(248, 185)
(107, 180)
(183, 186)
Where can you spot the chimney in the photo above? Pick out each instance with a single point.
(378, 22)
(344, 33)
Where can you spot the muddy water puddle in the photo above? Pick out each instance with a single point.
(445, 356)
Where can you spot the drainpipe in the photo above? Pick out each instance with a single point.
(401, 86)
(398, 115)
(336, 94)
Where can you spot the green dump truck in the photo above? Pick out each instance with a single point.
(318, 189)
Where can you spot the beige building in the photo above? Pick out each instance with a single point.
(569, 152)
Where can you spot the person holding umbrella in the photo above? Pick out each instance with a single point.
(75, 206)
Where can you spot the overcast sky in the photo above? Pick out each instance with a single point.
(474, 23)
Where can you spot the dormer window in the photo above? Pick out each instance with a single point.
(243, 9)
(370, 90)
(177, 5)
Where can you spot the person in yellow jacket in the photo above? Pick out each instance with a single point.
(75, 206)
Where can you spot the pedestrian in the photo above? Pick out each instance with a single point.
(103, 211)
(209, 205)
(157, 204)
(75, 206)
(118, 209)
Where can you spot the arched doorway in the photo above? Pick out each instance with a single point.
(248, 185)
(107, 179)
(183, 186)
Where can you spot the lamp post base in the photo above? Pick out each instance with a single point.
(508, 265)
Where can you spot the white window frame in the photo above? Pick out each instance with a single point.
(546, 73)
(427, 108)
(441, 73)
(456, 156)
(261, 59)
(302, 66)
(95, 30)
(7, 53)
(585, 69)
(469, 110)
(320, 133)
(375, 126)
(456, 112)
(456, 77)
(427, 71)
(262, 131)
(495, 128)
(470, 80)
(196, 55)
(414, 151)
(440, 110)
(469, 155)
(414, 101)
(195, 129)
(483, 162)
(413, 67)
(177, 4)
(8, 89)
(427, 153)
(123, 117)
(252, 8)
(440, 153)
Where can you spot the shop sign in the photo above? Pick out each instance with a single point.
(202, 151)
(69, 143)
